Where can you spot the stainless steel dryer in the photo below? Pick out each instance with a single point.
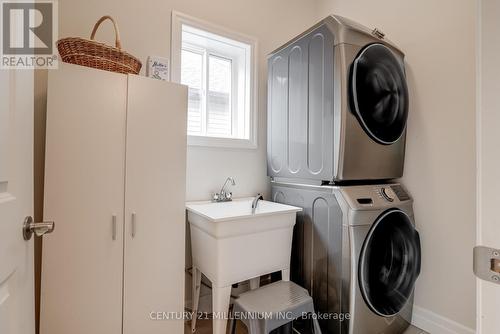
(337, 105)
(357, 251)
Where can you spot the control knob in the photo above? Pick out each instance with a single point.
(388, 194)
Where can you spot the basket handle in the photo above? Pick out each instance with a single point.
(118, 43)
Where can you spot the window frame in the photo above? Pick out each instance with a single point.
(203, 106)
(178, 20)
(207, 54)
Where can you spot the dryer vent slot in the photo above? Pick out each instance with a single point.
(365, 201)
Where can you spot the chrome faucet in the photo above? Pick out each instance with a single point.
(223, 195)
(256, 202)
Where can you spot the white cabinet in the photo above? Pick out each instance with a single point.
(155, 179)
(115, 185)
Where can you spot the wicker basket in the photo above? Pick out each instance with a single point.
(87, 52)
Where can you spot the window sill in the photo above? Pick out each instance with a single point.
(221, 142)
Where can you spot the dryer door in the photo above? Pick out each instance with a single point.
(389, 263)
(379, 93)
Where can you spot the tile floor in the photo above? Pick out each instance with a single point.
(205, 327)
(415, 330)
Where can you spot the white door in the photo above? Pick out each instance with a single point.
(488, 136)
(17, 315)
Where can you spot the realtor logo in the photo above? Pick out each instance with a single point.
(29, 32)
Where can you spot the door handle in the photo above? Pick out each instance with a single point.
(30, 227)
(113, 227)
(487, 264)
(133, 224)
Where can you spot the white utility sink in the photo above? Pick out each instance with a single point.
(230, 244)
(229, 219)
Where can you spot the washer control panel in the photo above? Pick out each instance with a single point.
(370, 196)
(390, 193)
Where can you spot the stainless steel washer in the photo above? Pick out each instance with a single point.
(357, 251)
(337, 105)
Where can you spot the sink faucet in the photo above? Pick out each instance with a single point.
(224, 195)
(256, 202)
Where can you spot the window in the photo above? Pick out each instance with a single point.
(218, 68)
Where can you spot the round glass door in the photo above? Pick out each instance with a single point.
(379, 93)
(389, 263)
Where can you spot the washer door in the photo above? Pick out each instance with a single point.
(379, 93)
(389, 263)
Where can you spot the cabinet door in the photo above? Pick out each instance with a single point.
(84, 188)
(154, 205)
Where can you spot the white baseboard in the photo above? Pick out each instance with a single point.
(436, 324)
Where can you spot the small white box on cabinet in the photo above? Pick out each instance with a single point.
(157, 68)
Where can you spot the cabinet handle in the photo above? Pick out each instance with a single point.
(113, 226)
(133, 224)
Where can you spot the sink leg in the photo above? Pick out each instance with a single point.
(196, 296)
(254, 283)
(285, 275)
(221, 297)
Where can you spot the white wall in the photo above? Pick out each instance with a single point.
(145, 30)
(438, 38)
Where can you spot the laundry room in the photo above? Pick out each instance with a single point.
(244, 167)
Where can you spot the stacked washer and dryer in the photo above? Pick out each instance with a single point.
(337, 112)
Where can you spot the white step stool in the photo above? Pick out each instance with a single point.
(272, 306)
